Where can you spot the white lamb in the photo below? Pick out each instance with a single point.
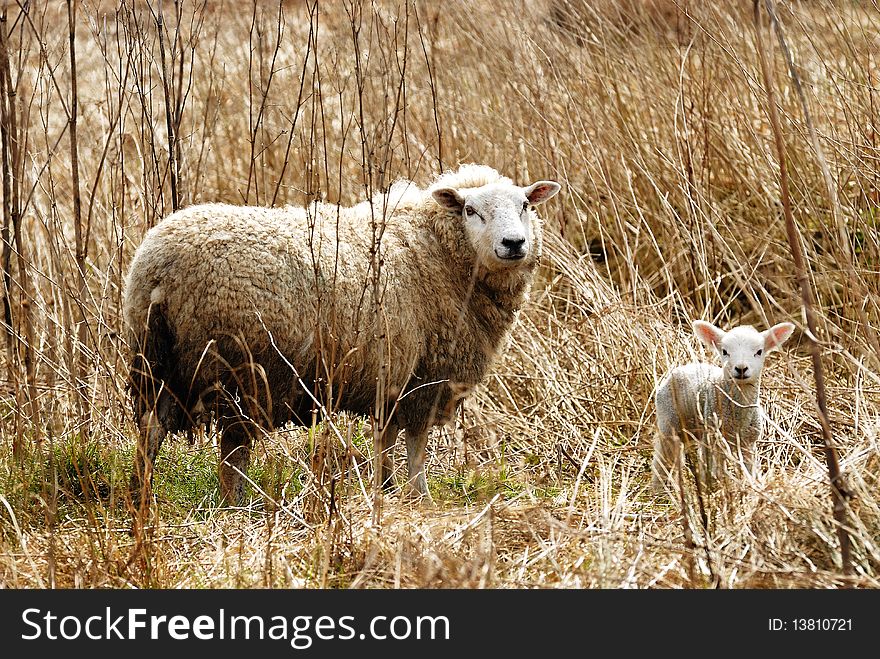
(699, 399)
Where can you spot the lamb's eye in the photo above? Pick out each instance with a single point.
(469, 210)
(758, 354)
(724, 352)
(525, 206)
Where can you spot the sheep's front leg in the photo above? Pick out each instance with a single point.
(666, 450)
(416, 449)
(153, 427)
(235, 454)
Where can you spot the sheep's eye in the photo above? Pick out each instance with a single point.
(525, 206)
(724, 352)
(469, 210)
(758, 354)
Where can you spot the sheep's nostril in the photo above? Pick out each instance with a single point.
(513, 244)
(740, 371)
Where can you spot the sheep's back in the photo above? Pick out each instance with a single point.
(260, 283)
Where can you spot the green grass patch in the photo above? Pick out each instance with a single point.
(85, 472)
(67, 479)
(185, 476)
(473, 486)
(276, 475)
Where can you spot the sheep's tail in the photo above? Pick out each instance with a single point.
(152, 376)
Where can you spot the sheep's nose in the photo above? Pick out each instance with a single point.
(513, 245)
(740, 371)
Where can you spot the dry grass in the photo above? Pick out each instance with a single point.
(654, 120)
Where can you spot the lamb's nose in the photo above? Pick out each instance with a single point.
(513, 245)
(740, 371)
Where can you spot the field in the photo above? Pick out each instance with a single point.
(654, 115)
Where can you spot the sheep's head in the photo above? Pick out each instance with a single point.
(743, 349)
(499, 221)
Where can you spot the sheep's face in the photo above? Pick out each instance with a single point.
(499, 221)
(743, 349)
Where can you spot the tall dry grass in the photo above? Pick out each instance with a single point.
(652, 114)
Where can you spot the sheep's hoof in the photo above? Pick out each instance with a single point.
(418, 493)
(424, 501)
(141, 494)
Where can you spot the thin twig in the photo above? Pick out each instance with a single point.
(167, 88)
(838, 487)
(80, 242)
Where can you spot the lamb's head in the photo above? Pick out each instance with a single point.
(499, 221)
(743, 349)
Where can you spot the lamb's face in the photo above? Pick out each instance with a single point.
(742, 354)
(499, 221)
(743, 349)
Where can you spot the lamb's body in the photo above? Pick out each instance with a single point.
(700, 400)
(278, 307)
(696, 399)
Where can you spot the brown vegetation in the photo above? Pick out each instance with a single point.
(659, 132)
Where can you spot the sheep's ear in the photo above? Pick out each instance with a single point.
(538, 193)
(449, 199)
(777, 335)
(708, 333)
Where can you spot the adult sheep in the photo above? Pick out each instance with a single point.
(253, 316)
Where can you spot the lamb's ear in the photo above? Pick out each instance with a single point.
(538, 193)
(449, 199)
(708, 333)
(777, 335)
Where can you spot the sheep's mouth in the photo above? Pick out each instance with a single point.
(515, 256)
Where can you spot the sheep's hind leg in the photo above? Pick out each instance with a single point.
(416, 449)
(153, 427)
(235, 454)
(384, 444)
(666, 450)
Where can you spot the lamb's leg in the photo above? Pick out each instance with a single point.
(701, 457)
(709, 458)
(666, 449)
(153, 427)
(416, 448)
(235, 454)
(384, 444)
(747, 450)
